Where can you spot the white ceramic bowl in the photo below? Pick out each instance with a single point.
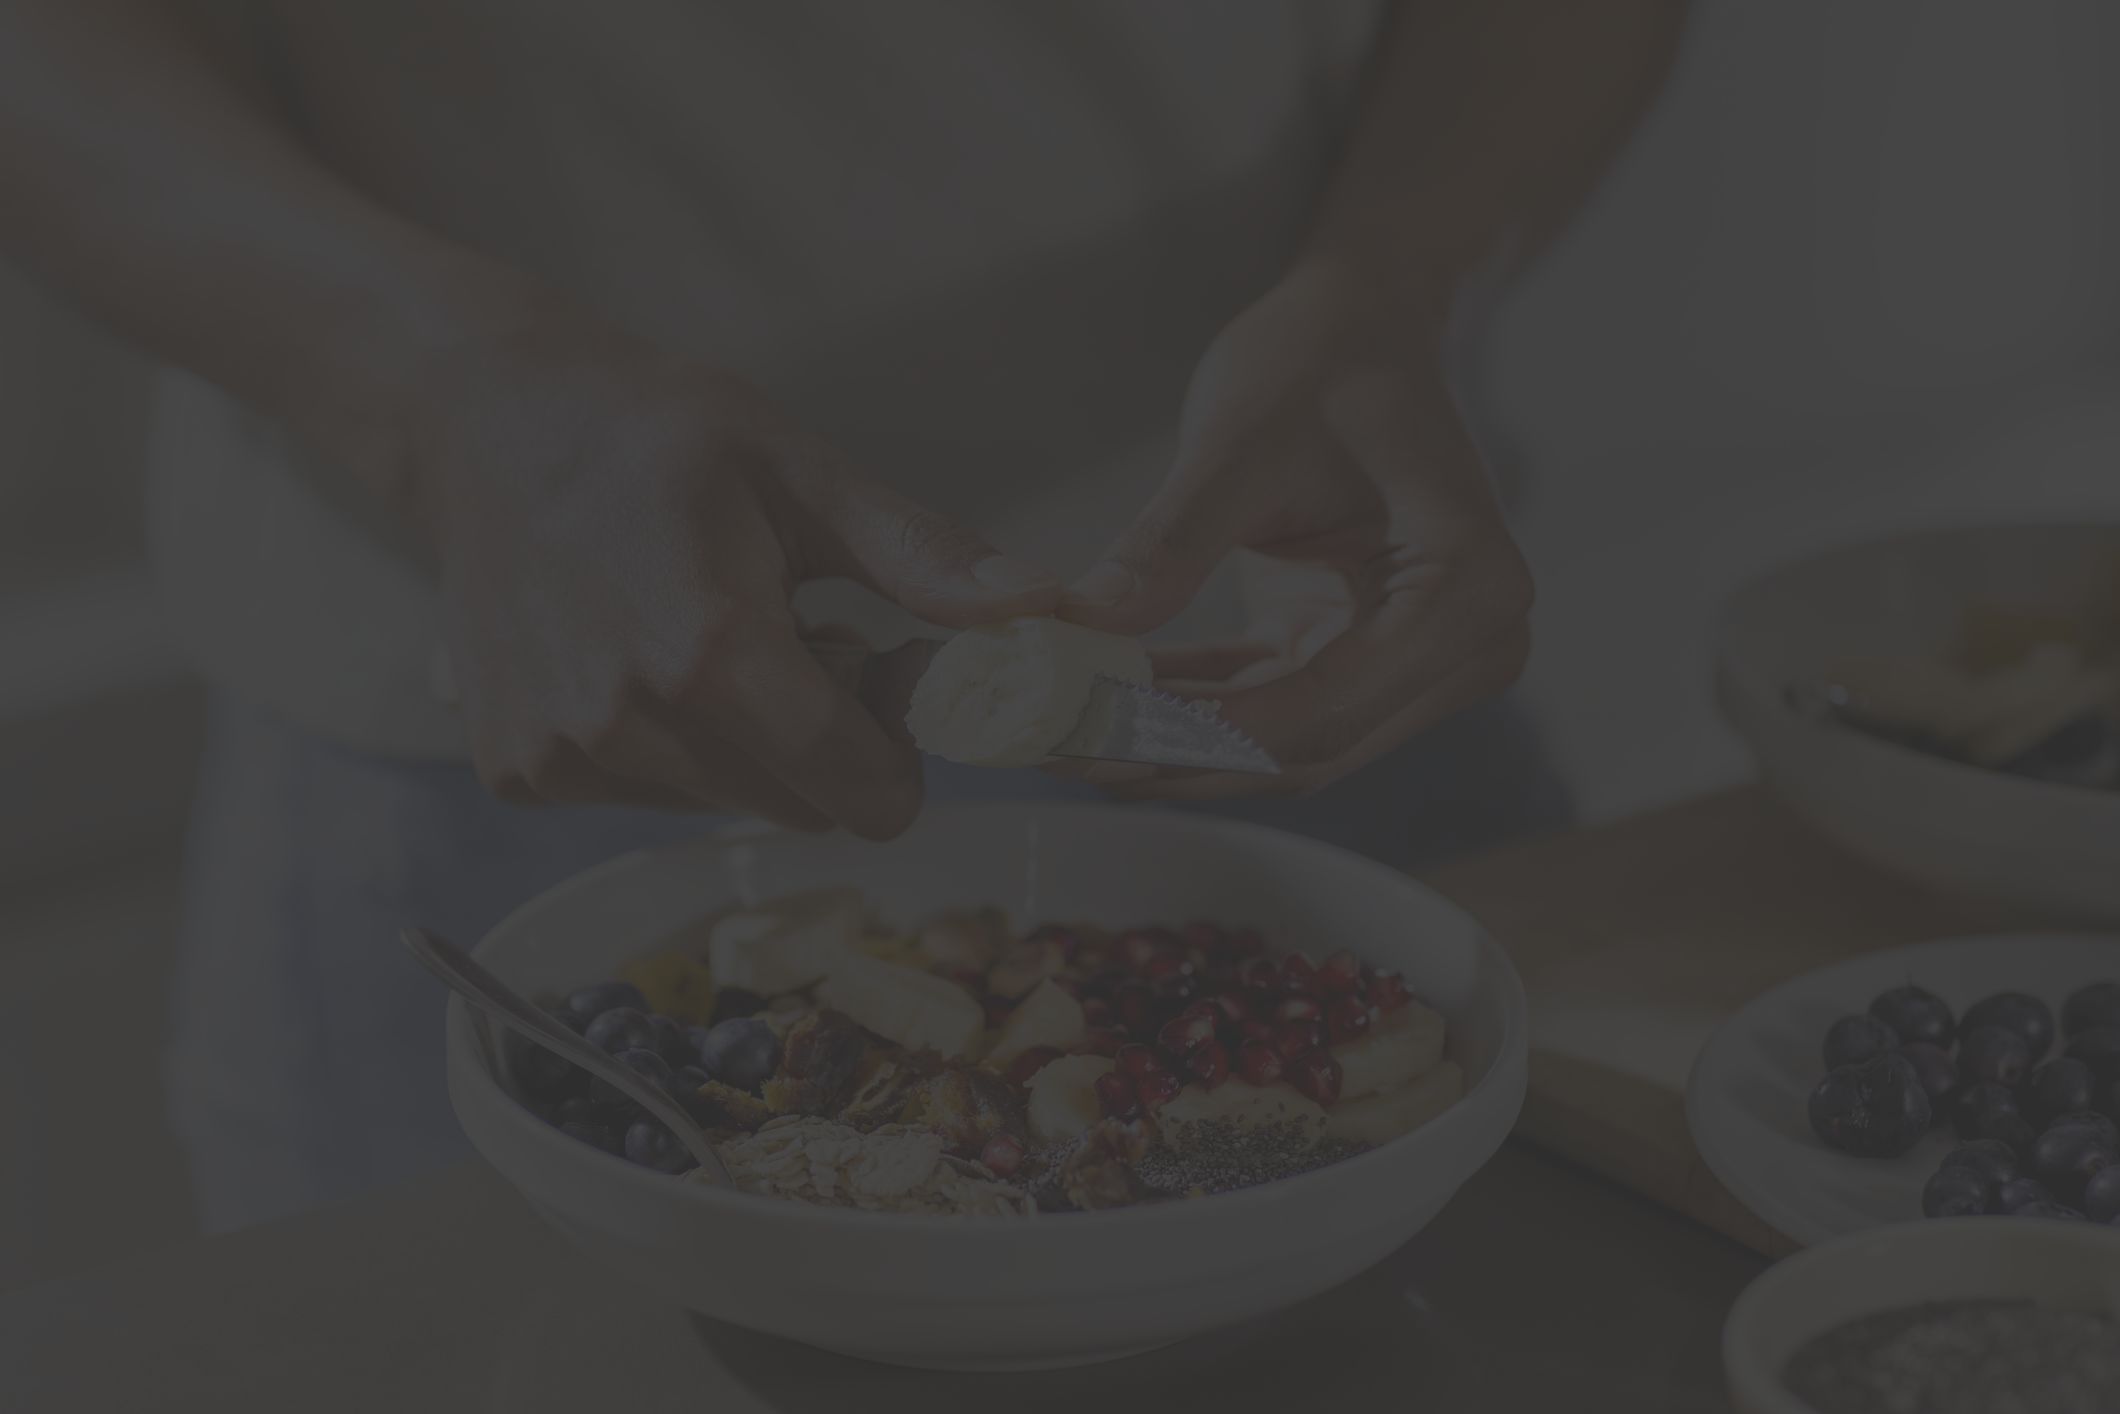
(1961, 1259)
(1952, 826)
(995, 1293)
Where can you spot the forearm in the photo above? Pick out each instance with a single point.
(1485, 122)
(143, 181)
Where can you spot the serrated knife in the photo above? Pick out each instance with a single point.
(1143, 725)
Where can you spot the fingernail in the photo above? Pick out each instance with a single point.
(1006, 576)
(1104, 583)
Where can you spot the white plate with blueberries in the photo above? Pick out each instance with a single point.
(1968, 1076)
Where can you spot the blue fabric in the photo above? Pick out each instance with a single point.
(306, 1059)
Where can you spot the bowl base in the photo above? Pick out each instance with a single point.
(1005, 1366)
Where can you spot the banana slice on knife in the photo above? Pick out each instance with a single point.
(1007, 694)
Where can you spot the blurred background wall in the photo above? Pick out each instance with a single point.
(1858, 272)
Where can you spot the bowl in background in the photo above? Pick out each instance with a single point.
(2070, 1264)
(970, 1293)
(1955, 827)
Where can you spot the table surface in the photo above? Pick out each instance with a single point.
(1540, 1281)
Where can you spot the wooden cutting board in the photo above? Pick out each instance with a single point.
(1636, 939)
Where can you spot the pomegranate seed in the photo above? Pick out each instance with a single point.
(1135, 1007)
(1259, 972)
(1204, 1007)
(1340, 975)
(1101, 1041)
(1259, 1063)
(1294, 1038)
(1317, 1075)
(1179, 991)
(1137, 1060)
(1209, 1064)
(1156, 1088)
(1298, 1009)
(1069, 940)
(1260, 1000)
(1140, 947)
(1347, 1018)
(1248, 942)
(1003, 1155)
(1022, 1068)
(1255, 1030)
(1298, 974)
(1165, 966)
(1116, 1096)
(1096, 1011)
(1387, 991)
(1188, 1033)
(1230, 1005)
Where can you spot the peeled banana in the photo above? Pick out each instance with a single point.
(913, 1008)
(1403, 1044)
(1063, 1098)
(1047, 1017)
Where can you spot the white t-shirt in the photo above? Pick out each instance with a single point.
(978, 244)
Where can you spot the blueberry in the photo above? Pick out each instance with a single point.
(2014, 1011)
(684, 1088)
(1991, 1053)
(596, 1136)
(2057, 1088)
(669, 1040)
(651, 1145)
(2092, 1120)
(622, 1028)
(1995, 1162)
(731, 1003)
(1938, 1072)
(1854, 1039)
(562, 1013)
(1876, 1110)
(2101, 1196)
(2098, 1048)
(1915, 1015)
(1987, 1109)
(2068, 1155)
(2021, 1193)
(2060, 1212)
(742, 1052)
(2091, 1008)
(592, 1002)
(1956, 1193)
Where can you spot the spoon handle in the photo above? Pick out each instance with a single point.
(504, 1004)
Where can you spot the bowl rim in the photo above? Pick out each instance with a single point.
(1505, 1080)
(1745, 1368)
(1739, 675)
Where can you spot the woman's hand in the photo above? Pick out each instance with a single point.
(618, 533)
(1319, 431)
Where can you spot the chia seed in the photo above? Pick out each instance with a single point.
(1218, 1157)
(1963, 1357)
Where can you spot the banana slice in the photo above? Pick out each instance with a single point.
(1404, 1043)
(1047, 1017)
(1063, 1098)
(903, 1004)
(785, 946)
(1007, 694)
(1382, 1118)
(1238, 1103)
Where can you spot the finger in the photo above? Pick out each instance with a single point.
(1160, 561)
(1484, 677)
(919, 559)
(1208, 662)
(772, 702)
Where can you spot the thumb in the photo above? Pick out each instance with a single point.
(927, 563)
(1158, 563)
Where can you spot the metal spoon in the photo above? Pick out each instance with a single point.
(511, 1009)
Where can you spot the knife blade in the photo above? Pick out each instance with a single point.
(1146, 726)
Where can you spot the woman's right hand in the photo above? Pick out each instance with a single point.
(618, 533)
